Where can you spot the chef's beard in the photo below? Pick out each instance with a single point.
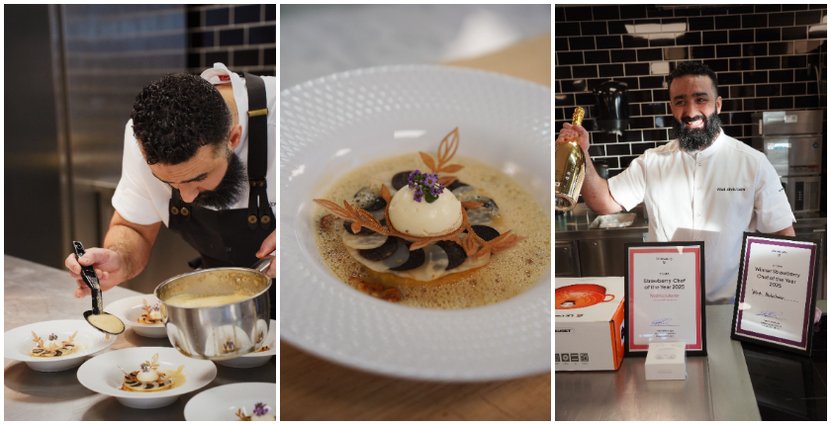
(229, 188)
(695, 139)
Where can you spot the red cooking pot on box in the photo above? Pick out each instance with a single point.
(581, 295)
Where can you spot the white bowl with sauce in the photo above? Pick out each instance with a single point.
(335, 124)
(130, 309)
(103, 374)
(18, 344)
(222, 403)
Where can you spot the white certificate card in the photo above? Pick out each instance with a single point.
(665, 290)
(776, 291)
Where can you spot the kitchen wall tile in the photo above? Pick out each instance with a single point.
(240, 36)
(247, 14)
(764, 55)
(714, 37)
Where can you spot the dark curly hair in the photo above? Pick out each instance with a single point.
(175, 116)
(693, 68)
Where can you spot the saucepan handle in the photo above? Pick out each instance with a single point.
(263, 264)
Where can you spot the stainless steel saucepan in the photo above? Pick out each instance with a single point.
(217, 314)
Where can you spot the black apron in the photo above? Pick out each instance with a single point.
(231, 238)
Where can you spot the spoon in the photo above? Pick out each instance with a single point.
(104, 322)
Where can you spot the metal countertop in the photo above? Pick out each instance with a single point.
(35, 293)
(717, 387)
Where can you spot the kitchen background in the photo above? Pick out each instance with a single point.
(72, 74)
(767, 57)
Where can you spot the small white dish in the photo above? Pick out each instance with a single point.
(130, 309)
(259, 358)
(103, 374)
(222, 403)
(18, 343)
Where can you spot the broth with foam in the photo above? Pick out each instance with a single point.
(507, 274)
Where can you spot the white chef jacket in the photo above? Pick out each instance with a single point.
(713, 196)
(141, 198)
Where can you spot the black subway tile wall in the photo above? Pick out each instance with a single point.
(768, 57)
(243, 37)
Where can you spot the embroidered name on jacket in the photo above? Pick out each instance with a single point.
(730, 189)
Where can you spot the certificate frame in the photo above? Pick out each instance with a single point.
(802, 292)
(633, 301)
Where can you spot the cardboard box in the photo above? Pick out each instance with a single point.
(666, 361)
(588, 317)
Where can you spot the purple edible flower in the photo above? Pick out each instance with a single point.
(261, 409)
(419, 194)
(430, 180)
(425, 186)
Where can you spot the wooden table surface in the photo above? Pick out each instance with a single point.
(315, 389)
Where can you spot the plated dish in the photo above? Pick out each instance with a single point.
(55, 345)
(145, 377)
(459, 234)
(142, 313)
(262, 355)
(348, 120)
(246, 401)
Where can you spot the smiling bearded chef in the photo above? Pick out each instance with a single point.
(183, 165)
(704, 185)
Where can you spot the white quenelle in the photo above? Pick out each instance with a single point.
(424, 219)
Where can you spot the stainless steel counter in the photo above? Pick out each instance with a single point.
(717, 387)
(34, 293)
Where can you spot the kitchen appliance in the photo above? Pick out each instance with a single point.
(793, 142)
(611, 107)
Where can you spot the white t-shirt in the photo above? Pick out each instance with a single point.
(142, 199)
(713, 196)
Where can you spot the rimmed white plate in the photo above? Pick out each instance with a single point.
(103, 374)
(130, 309)
(18, 343)
(335, 124)
(260, 358)
(221, 403)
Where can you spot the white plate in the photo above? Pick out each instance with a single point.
(221, 403)
(103, 374)
(17, 343)
(129, 310)
(335, 124)
(256, 359)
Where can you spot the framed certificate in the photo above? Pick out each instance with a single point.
(776, 292)
(664, 295)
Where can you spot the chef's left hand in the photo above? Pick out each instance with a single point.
(267, 248)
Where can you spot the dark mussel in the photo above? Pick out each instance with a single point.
(456, 184)
(485, 232)
(484, 214)
(369, 200)
(455, 253)
(377, 254)
(416, 259)
(400, 180)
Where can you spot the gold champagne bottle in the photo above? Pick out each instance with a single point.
(569, 168)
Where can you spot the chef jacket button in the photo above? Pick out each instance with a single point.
(265, 219)
(252, 219)
(184, 211)
(174, 210)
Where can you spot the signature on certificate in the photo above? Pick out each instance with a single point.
(769, 314)
(662, 322)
